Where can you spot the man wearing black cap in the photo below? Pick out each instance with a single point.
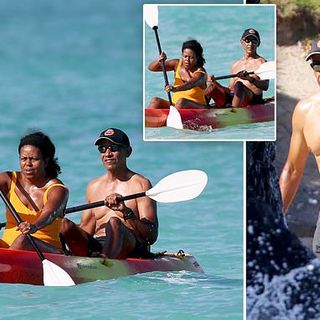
(305, 137)
(119, 229)
(244, 89)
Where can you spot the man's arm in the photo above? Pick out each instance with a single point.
(256, 81)
(234, 69)
(298, 153)
(88, 220)
(146, 222)
(260, 84)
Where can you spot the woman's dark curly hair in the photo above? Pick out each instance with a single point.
(196, 47)
(44, 144)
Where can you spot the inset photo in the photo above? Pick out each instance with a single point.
(209, 72)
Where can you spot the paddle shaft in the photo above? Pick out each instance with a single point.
(19, 220)
(230, 76)
(164, 71)
(102, 203)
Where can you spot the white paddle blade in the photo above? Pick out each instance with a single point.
(179, 186)
(174, 119)
(150, 12)
(53, 275)
(266, 71)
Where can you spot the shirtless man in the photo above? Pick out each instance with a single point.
(119, 229)
(244, 89)
(305, 137)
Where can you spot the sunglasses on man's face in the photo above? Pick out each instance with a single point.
(252, 40)
(112, 148)
(315, 66)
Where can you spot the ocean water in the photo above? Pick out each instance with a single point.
(72, 69)
(218, 28)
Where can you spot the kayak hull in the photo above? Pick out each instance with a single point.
(203, 119)
(17, 266)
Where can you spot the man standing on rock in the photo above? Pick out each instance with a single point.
(305, 137)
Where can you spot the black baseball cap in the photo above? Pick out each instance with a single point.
(251, 33)
(315, 49)
(114, 135)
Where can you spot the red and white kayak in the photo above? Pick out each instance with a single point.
(201, 119)
(18, 266)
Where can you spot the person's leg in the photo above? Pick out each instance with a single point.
(242, 95)
(79, 242)
(120, 240)
(217, 93)
(257, 99)
(3, 244)
(23, 243)
(158, 103)
(183, 103)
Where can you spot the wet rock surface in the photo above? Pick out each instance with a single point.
(274, 253)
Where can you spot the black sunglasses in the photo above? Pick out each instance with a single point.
(252, 40)
(315, 66)
(112, 148)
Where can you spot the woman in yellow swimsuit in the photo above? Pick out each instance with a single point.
(36, 194)
(190, 78)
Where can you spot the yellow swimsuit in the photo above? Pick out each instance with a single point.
(195, 94)
(49, 234)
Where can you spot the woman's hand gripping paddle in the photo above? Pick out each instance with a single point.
(53, 275)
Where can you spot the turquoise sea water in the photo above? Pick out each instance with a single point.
(72, 69)
(218, 28)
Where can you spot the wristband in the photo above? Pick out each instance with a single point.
(129, 215)
(33, 228)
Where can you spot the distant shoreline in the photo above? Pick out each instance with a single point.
(296, 20)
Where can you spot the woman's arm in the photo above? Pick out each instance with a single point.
(199, 78)
(54, 208)
(156, 65)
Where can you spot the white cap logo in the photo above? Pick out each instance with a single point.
(109, 132)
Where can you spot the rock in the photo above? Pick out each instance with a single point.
(272, 249)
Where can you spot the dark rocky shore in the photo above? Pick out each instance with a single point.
(282, 276)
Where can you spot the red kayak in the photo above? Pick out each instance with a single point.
(18, 266)
(202, 119)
